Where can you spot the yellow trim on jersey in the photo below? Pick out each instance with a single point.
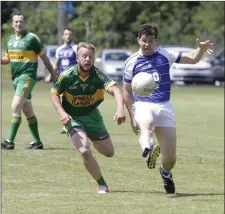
(84, 100)
(63, 74)
(42, 52)
(54, 91)
(35, 36)
(84, 78)
(27, 86)
(110, 85)
(22, 56)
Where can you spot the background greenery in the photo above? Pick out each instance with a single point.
(54, 180)
(115, 24)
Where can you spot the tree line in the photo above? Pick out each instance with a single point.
(115, 24)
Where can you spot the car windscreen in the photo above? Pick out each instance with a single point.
(116, 56)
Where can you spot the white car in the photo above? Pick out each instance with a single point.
(200, 72)
(111, 62)
(42, 72)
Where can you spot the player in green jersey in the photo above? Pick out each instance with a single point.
(83, 86)
(23, 49)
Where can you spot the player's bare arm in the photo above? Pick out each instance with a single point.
(64, 117)
(56, 66)
(129, 100)
(120, 114)
(5, 60)
(49, 66)
(128, 97)
(196, 55)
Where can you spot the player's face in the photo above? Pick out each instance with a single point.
(85, 59)
(18, 23)
(147, 44)
(67, 36)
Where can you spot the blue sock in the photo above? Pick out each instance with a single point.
(164, 172)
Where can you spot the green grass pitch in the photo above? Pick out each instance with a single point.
(54, 180)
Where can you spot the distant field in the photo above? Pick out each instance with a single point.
(54, 181)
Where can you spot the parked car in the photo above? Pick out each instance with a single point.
(42, 72)
(111, 62)
(218, 68)
(200, 72)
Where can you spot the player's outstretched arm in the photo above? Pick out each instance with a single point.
(49, 66)
(5, 60)
(56, 67)
(120, 114)
(196, 55)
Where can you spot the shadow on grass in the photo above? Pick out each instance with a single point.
(4, 150)
(136, 191)
(179, 195)
(58, 149)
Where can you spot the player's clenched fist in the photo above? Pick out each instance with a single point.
(120, 117)
(65, 118)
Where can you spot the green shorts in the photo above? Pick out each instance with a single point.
(23, 86)
(92, 124)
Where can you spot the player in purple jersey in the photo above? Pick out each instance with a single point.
(65, 55)
(154, 114)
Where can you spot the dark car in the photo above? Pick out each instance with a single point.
(218, 68)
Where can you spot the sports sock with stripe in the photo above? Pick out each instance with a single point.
(14, 126)
(33, 125)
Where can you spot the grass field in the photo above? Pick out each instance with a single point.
(54, 181)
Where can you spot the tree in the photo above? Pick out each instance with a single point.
(209, 22)
(115, 24)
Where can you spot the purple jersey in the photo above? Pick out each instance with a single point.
(66, 54)
(158, 65)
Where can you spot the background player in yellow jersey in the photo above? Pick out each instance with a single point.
(23, 49)
(82, 87)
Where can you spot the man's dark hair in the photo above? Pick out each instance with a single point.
(148, 29)
(18, 14)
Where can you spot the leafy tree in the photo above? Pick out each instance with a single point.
(115, 24)
(209, 22)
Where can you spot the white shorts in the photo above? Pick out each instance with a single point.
(162, 113)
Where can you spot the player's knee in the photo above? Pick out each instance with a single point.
(16, 108)
(85, 153)
(109, 153)
(146, 126)
(28, 112)
(25, 111)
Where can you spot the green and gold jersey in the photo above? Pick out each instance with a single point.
(23, 53)
(80, 96)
